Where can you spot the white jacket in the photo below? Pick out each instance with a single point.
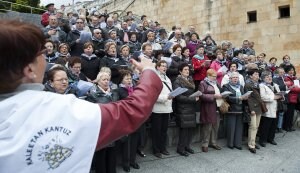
(267, 96)
(163, 104)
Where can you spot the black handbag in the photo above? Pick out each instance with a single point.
(281, 106)
(246, 115)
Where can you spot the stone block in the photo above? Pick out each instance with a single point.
(293, 29)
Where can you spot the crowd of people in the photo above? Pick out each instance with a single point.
(98, 48)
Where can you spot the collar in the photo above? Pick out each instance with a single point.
(23, 87)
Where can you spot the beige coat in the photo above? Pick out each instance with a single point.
(267, 96)
(163, 104)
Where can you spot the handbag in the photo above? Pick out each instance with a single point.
(281, 106)
(224, 107)
(264, 108)
(246, 115)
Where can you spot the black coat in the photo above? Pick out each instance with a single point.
(90, 67)
(185, 106)
(235, 103)
(76, 48)
(96, 95)
(172, 71)
(109, 62)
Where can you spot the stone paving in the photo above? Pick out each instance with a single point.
(285, 157)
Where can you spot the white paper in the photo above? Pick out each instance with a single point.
(287, 91)
(177, 91)
(85, 37)
(223, 69)
(226, 93)
(247, 94)
(84, 87)
(196, 94)
(167, 59)
(296, 82)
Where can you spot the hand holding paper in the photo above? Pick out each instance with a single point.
(177, 92)
(226, 93)
(196, 94)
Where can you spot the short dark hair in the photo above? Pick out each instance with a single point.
(145, 45)
(176, 46)
(158, 64)
(143, 16)
(237, 65)
(236, 53)
(53, 70)
(272, 59)
(123, 73)
(252, 71)
(73, 60)
(128, 12)
(87, 44)
(194, 34)
(182, 65)
(20, 44)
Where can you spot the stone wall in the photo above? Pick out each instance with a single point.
(228, 20)
(26, 17)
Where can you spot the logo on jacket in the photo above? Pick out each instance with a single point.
(52, 151)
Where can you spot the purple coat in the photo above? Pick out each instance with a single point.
(208, 106)
(192, 47)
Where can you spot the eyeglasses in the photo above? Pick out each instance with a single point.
(62, 80)
(79, 22)
(76, 67)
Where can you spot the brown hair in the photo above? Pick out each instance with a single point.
(53, 70)
(158, 64)
(87, 44)
(145, 45)
(73, 60)
(20, 44)
(108, 44)
(176, 46)
(123, 73)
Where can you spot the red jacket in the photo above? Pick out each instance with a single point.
(199, 68)
(45, 19)
(293, 94)
(125, 116)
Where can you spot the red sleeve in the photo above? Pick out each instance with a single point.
(125, 116)
(196, 64)
(45, 19)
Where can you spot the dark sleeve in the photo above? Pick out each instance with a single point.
(71, 39)
(125, 116)
(232, 97)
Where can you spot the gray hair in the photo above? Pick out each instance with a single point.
(264, 74)
(234, 74)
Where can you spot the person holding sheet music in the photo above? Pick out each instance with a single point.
(219, 65)
(290, 81)
(185, 110)
(161, 112)
(269, 93)
(211, 99)
(234, 117)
